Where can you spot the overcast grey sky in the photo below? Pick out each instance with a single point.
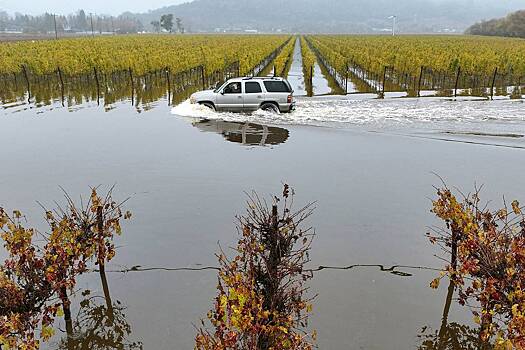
(115, 7)
(67, 6)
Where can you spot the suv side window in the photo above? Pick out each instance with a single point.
(252, 87)
(233, 88)
(276, 86)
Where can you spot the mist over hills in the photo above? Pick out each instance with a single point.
(334, 16)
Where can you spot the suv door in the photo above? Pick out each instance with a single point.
(230, 98)
(253, 95)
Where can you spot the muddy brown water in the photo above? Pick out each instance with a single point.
(186, 176)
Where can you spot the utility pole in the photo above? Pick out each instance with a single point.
(112, 26)
(92, 29)
(56, 31)
(393, 18)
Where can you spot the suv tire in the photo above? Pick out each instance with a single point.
(270, 107)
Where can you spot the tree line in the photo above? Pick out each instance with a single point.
(166, 23)
(86, 22)
(74, 23)
(512, 26)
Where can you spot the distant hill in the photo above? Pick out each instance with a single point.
(333, 16)
(512, 25)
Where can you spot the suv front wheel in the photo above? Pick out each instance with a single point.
(208, 105)
(270, 107)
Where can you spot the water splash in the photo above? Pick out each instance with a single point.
(398, 113)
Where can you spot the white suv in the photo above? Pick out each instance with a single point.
(249, 94)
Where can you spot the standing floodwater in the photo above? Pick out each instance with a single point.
(296, 76)
(320, 83)
(187, 167)
(187, 177)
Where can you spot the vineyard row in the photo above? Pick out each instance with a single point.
(119, 85)
(414, 64)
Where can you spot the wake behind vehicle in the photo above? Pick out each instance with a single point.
(249, 94)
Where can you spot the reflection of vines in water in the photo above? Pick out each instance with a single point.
(451, 336)
(107, 89)
(99, 326)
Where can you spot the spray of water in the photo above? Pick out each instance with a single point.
(398, 113)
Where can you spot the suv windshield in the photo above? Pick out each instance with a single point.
(277, 86)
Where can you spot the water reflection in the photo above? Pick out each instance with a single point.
(244, 133)
(451, 335)
(99, 324)
(106, 89)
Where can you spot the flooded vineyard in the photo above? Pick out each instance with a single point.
(369, 164)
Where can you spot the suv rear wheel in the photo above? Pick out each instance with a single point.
(270, 107)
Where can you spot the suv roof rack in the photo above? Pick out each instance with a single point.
(262, 78)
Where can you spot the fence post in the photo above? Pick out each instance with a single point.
(98, 84)
(168, 83)
(61, 84)
(419, 84)
(27, 81)
(132, 86)
(101, 247)
(346, 78)
(203, 78)
(384, 83)
(493, 82)
(457, 82)
(16, 82)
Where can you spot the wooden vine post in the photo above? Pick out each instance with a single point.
(384, 83)
(101, 256)
(454, 248)
(100, 231)
(493, 83)
(98, 84)
(346, 77)
(420, 81)
(24, 70)
(66, 307)
(132, 86)
(168, 83)
(457, 82)
(59, 72)
(203, 78)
